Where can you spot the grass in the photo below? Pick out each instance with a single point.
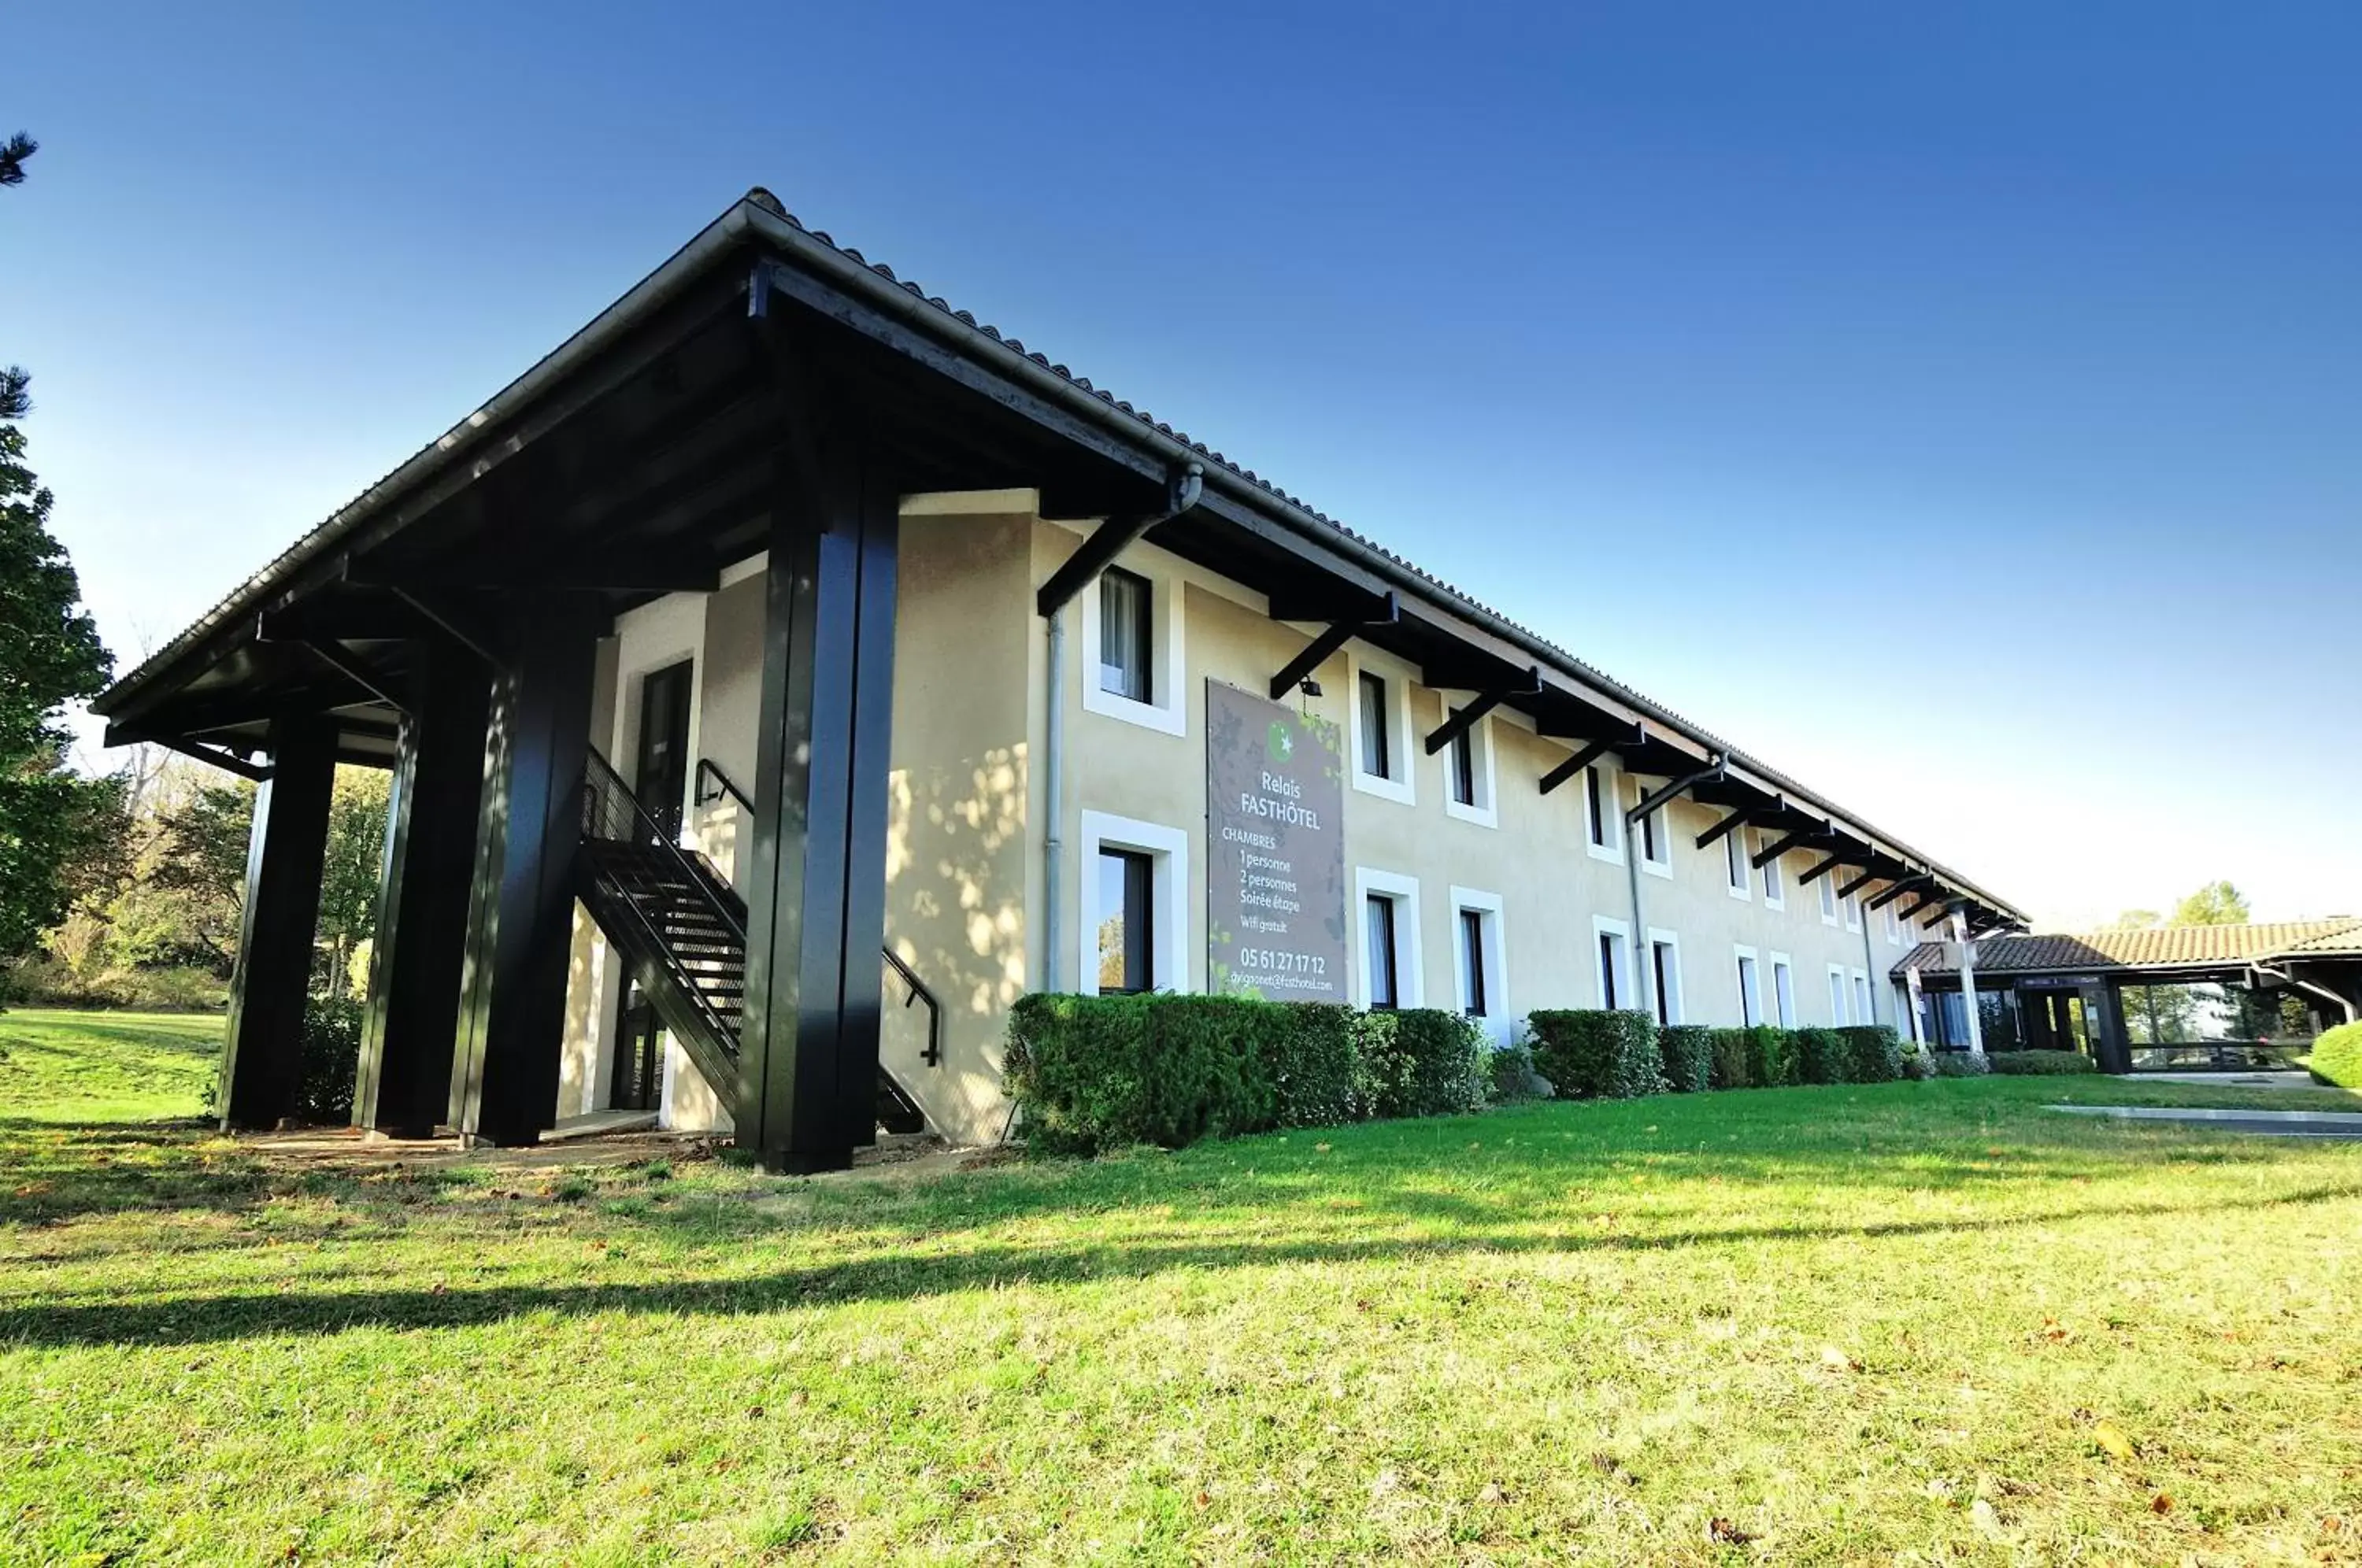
(1929, 1322)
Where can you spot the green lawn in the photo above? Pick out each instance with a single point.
(1927, 1322)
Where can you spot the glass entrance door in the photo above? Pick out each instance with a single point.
(661, 777)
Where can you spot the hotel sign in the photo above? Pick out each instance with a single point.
(1276, 850)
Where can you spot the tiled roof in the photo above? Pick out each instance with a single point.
(2157, 947)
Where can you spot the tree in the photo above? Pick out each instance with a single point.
(13, 153)
(2217, 903)
(2136, 919)
(351, 869)
(197, 863)
(49, 655)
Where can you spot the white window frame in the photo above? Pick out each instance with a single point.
(1496, 958)
(1622, 930)
(1775, 885)
(1487, 811)
(1169, 888)
(1402, 756)
(1865, 1000)
(1840, 995)
(1733, 843)
(1893, 922)
(1674, 1008)
(1745, 961)
(1852, 907)
(1638, 836)
(1169, 714)
(1829, 892)
(1369, 882)
(1783, 991)
(1611, 806)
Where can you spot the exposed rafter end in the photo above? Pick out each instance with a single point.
(228, 762)
(1724, 828)
(1672, 791)
(1787, 842)
(1908, 884)
(1459, 720)
(1183, 488)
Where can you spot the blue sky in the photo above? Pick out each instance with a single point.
(1959, 409)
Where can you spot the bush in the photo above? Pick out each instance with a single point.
(1095, 1073)
(1728, 1047)
(331, 1059)
(1421, 1062)
(1686, 1054)
(1877, 1052)
(1309, 1055)
(1918, 1062)
(2039, 1064)
(2337, 1057)
(1515, 1079)
(1957, 1064)
(1591, 1054)
(1771, 1057)
(1823, 1056)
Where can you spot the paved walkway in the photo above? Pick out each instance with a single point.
(2334, 1124)
(2262, 1078)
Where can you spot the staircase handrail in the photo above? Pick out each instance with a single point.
(601, 780)
(707, 768)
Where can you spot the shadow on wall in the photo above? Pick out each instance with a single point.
(956, 847)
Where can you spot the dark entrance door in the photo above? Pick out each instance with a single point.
(637, 1083)
(661, 779)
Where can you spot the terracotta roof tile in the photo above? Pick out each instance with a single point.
(2158, 947)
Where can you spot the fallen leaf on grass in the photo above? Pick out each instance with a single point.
(2162, 1504)
(1722, 1532)
(1837, 1360)
(1491, 1492)
(2120, 1447)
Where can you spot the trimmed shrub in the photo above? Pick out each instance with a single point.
(1877, 1052)
(1593, 1053)
(1729, 1050)
(1918, 1062)
(1823, 1057)
(1307, 1055)
(2337, 1057)
(1420, 1062)
(1103, 1072)
(1957, 1064)
(1686, 1052)
(1771, 1057)
(2041, 1064)
(1515, 1080)
(331, 1055)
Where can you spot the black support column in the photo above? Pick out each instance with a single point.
(520, 908)
(419, 957)
(262, 1053)
(809, 1056)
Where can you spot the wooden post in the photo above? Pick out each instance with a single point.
(262, 1049)
(419, 956)
(817, 898)
(520, 908)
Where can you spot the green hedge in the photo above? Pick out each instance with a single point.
(1771, 1057)
(2337, 1057)
(1957, 1064)
(1876, 1052)
(1686, 1054)
(1823, 1056)
(1515, 1078)
(1095, 1073)
(2041, 1064)
(1730, 1050)
(1593, 1053)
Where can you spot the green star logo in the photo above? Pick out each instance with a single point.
(1280, 741)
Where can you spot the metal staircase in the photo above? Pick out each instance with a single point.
(681, 928)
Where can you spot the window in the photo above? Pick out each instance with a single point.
(1750, 990)
(1852, 908)
(1783, 992)
(1477, 959)
(1377, 751)
(1893, 925)
(1862, 998)
(1468, 773)
(1837, 994)
(1665, 975)
(1613, 941)
(1656, 850)
(1828, 898)
(1386, 968)
(1775, 896)
(1734, 858)
(1135, 906)
(1126, 646)
(1382, 730)
(1127, 925)
(1389, 906)
(1472, 962)
(1132, 635)
(1600, 817)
